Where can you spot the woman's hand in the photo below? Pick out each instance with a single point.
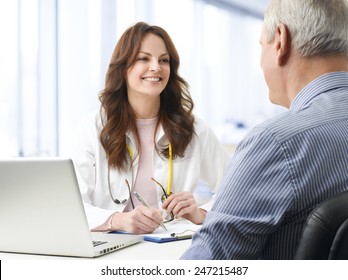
(138, 221)
(184, 205)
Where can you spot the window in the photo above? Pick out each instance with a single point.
(57, 52)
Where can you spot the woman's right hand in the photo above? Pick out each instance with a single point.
(138, 221)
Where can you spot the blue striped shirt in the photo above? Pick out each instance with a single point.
(280, 171)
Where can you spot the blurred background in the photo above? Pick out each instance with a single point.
(54, 56)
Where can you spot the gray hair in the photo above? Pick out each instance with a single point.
(317, 27)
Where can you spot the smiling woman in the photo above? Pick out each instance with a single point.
(145, 129)
(167, 99)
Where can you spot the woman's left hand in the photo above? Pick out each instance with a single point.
(184, 205)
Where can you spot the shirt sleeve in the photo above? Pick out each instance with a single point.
(83, 156)
(106, 226)
(254, 197)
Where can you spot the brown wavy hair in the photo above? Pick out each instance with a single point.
(176, 105)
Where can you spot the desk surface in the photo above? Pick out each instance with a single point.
(144, 250)
(141, 251)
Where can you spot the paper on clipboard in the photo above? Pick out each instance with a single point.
(177, 230)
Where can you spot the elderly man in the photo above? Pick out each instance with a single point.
(287, 165)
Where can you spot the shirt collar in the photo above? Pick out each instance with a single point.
(159, 135)
(318, 86)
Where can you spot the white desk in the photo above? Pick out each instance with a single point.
(141, 251)
(145, 250)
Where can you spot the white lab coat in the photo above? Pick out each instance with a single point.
(205, 160)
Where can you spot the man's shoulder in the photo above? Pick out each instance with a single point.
(286, 125)
(312, 117)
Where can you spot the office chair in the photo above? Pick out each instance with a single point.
(325, 234)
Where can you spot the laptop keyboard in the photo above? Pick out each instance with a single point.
(97, 243)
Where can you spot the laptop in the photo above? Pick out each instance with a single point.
(41, 211)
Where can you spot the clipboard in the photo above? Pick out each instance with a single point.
(162, 238)
(157, 239)
(178, 229)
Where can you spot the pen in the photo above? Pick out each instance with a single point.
(189, 236)
(138, 196)
(182, 236)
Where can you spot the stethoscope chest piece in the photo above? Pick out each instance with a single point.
(124, 201)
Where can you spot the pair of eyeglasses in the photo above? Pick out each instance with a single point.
(170, 216)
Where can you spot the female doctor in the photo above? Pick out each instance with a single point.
(145, 139)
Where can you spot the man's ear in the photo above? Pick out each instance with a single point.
(282, 44)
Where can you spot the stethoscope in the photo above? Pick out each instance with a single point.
(169, 183)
